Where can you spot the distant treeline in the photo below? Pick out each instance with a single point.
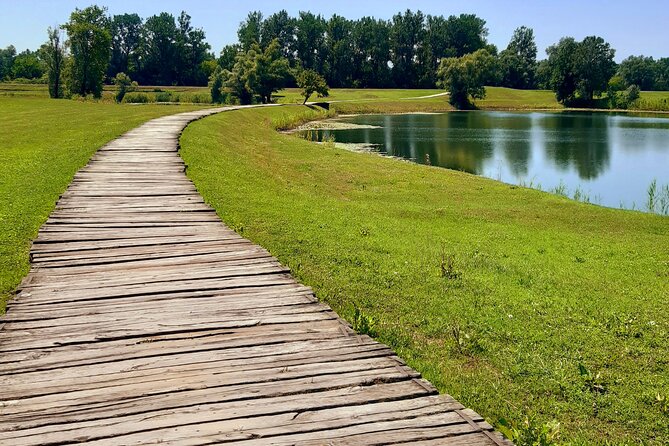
(404, 52)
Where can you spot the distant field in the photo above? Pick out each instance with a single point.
(174, 94)
(292, 95)
(352, 100)
(44, 142)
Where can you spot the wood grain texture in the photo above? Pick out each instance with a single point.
(145, 320)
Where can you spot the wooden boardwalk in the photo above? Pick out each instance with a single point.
(145, 320)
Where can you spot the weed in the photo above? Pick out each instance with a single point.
(592, 382)
(363, 323)
(447, 266)
(651, 200)
(561, 189)
(531, 432)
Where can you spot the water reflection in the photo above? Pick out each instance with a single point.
(582, 149)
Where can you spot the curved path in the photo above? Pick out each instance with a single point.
(144, 319)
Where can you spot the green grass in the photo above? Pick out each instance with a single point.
(518, 303)
(652, 100)
(508, 98)
(170, 94)
(43, 143)
(292, 95)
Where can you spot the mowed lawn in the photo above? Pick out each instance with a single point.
(43, 143)
(521, 304)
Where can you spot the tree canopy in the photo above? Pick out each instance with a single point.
(465, 77)
(579, 71)
(89, 41)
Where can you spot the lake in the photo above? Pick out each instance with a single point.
(605, 158)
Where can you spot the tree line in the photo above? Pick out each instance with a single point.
(411, 50)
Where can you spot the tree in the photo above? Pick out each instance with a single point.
(406, 37)
(6, 62)
(595, 66)
(371, 53)
(339, 50)
(53, 52)
(228, 56)
(250, 30)
(466, 33)
(124, 85)
(435, 47)
(236, 81)
(90, 45)
(216, 81)
(563, 68)
(279, 26)
(27, 65)
(465, 77)
(638, 70)
(269, 70)
(579, 71)
(310, 40)
(311, 82)
(160, 50)
(192, 51)
(126, 31)
(518, 62)
(662, 74)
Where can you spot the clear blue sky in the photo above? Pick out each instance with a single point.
(631, 27)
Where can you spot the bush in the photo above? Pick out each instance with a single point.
(200, 98)
(136, 98)
(124, 84)
(164, 96)
(216, 86)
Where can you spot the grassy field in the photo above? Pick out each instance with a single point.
(153, 93)
(43, 144)
(523, 305)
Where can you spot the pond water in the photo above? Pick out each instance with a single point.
(605, 158)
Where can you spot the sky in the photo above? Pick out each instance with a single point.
(631, 27)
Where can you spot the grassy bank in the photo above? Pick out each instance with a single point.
(43, 144)
(519, 303)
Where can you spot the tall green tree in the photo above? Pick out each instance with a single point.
(638, 70)
(126, 32)
(310, 40)
(518, 62)
(465, 77)
(595, 66)
(28, 65)
(279, 26)
(269, 70)
(250, 30)
(435, 47)
(339, 60)
(579, 71)
(7, 56)
(662, 74)
(53, 52)
(406, 38)
(564, 69)
(228, 56)
(192, 50)
(236, 81)
(89, 41)
(466, 34)
(371, 53)
(159, 52)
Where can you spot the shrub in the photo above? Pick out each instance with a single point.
(136, 98)
(164, 96)
(124, 84)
